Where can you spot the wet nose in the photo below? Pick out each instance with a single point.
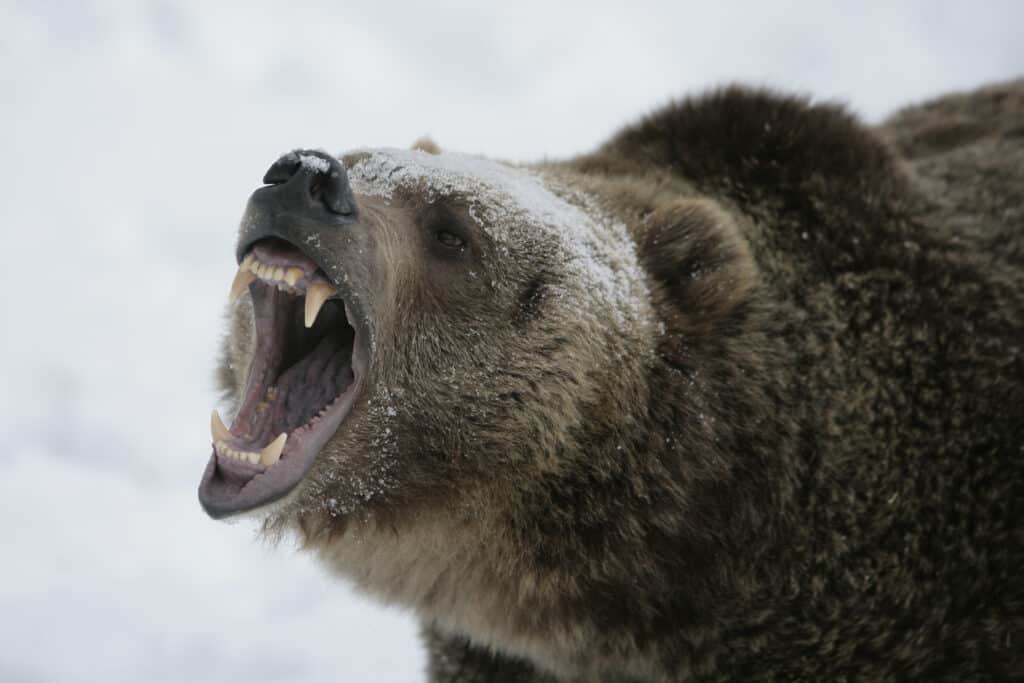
(310, 178)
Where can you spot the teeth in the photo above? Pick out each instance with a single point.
(293, 275)
(217, 428)
(316, 295)
(251, 457)
(243, 278)
(272, 452)
(251, 269)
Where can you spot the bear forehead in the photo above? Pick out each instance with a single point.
(515, 207)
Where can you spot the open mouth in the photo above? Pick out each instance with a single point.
(307, 369)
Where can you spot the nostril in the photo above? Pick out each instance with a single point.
(282, 170)
(312, 175)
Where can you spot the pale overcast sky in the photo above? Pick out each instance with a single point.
(132, 134)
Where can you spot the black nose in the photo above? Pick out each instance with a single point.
(306, 178)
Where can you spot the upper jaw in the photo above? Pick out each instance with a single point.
(320, 238)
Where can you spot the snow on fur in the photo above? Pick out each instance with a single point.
(510, 203)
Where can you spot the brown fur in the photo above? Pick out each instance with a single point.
(805, 461)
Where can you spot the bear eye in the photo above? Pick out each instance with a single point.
(450, 239)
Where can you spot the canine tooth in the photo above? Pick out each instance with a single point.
(243, 278)
(293, 275)
(316, 295)
(272, 452)
(217, 428)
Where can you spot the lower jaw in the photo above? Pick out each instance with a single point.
(232, 486)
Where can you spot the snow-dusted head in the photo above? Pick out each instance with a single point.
(409, 328)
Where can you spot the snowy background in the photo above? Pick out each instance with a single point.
(131, 134)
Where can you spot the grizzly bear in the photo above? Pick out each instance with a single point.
(737, 395)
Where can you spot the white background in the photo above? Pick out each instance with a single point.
(130, 137)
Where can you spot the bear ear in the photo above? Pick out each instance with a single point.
(425, 144)
(693, 249)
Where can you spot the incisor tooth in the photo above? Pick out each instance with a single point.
(243, 278)
(217, 428)
(253, 457)
(292, 275)
(279, 273)
(316, 295)
(272, 452)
